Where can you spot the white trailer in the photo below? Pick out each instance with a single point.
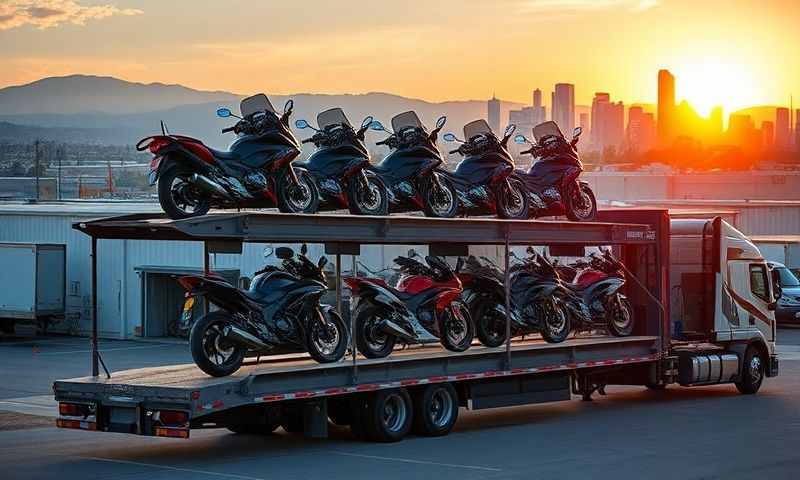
(32, 283)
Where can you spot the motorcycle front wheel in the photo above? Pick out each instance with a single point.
(300, 197)
(326, 337)
(580, 204)
(554, 321)
(458, 330)
(620, 316)
(211, 351)
(178, 197)
(439, 197)
(512, 201)
(490, 325)
(369, 199)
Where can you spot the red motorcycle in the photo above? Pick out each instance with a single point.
(424, 307)
(256, 172)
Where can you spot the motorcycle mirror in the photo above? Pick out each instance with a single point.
(223, 112)
(322, 262)
(301, 124)
(303, 249)
(509, 130)
(520, 139)
(412, 253)
(268, 251)
(288, 106)
(459, 264)
(367, 123)
(284, 253)
(441, 121)
(377, 126)
(449, 137)
(577, 132)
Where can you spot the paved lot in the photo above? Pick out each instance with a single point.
(710, 432)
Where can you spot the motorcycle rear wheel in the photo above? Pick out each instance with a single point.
(300, 198)
(210, 350)
(512, 204)
(439, 198)
(581, 204)
(178, 197)
(371, 342)
(326, 341)
(458, 331)
(374, 202)
(490, 325)
(620, 317)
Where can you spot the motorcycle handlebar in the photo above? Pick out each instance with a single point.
(382, 142)
(228, 129)
(457, 150)
(308, 140)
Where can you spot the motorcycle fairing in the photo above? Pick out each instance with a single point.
(336, 161)
(408, 163)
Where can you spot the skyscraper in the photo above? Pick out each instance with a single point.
(783, 119)
(537, 98)
(768, 134)
(715, 123)
(564, 107)
(494, 115)
(666, 107)
(608, 122)
(539, 110)
(584, 124)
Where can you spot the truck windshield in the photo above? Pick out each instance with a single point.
(787, 278)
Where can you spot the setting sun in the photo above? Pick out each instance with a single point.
(711, 82)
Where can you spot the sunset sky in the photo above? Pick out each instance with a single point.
(730, 52)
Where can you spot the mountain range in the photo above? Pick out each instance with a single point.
(89, 109)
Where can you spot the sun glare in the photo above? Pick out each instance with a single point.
(712, 82)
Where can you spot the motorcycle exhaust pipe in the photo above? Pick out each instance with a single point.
(392, 328)
(249, 340)
(209, 185)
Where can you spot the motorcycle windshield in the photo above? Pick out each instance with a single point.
(406, 120)
(334, 116)
(473, 129)
(256, 103)
(544, 129)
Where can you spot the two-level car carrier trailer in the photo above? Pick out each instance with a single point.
(702, 296)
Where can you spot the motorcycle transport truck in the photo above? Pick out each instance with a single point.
(703, 299)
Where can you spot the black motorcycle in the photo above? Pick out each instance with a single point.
(411, 172)
(256, 172)
(424, 307)
(535, 307)
(340, 165)
(552, 181)
(279, 313)
(484, 178)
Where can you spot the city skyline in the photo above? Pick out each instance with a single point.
(736, 56)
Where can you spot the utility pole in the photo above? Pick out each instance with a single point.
(36, 166)
(60, 154)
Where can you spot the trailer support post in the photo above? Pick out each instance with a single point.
(206, 271)
(507, 287)
(95, 352)
(353, 324)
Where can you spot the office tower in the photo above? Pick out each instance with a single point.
(666, 107)
(539, 110)
(742, 132)
(564, 107)
(715, 123)
(782, 128)
(599, 102)
(584, 124)
(768, 134)
(494, 115)
(634, 131)
(608, 122)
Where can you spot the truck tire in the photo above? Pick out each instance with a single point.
(292, 421)
(253, 429)
(435, 410)
(388, 415)
(752, 371)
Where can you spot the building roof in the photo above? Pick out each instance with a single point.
(775, 238)
(79, 208)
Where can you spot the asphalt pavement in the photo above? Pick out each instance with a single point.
(687, 433)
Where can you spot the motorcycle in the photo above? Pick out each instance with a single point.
(535, 307)
(280, 312)
(256, 172)
(594, 298)
(410, 171)
(552, 181)
(340, 165)
(422, 308)
(483, 179)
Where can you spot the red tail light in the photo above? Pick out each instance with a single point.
(189, 283)
(353, 284)
(75, 409)
(446, 298)
(173, 418)
(157, 144)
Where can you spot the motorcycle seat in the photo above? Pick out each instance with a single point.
(223, 154)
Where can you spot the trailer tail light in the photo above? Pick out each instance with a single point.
(76, 424)
(75, 409)
(171, 418)
(81, 416)
(171, 432)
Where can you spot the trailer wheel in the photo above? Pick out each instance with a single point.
(292, 421)
(752, 371)
(435, 410)
(254, 429)
(388, 415)
(340, 412)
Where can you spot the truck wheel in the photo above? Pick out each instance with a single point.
(292, 421)
(211, 351)
(752, 371)
(248, 429)
(339, 412)
(388, 415)
(490, 325)
(435, 410)
(372, 342)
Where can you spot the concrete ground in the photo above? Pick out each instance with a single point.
(710, 432)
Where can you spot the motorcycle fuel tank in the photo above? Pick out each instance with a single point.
(335, 161)
(257, 151)
(483, 169)
(409, 162)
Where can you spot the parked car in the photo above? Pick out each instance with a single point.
(788, 309)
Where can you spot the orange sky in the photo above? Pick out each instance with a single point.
(733, 52)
